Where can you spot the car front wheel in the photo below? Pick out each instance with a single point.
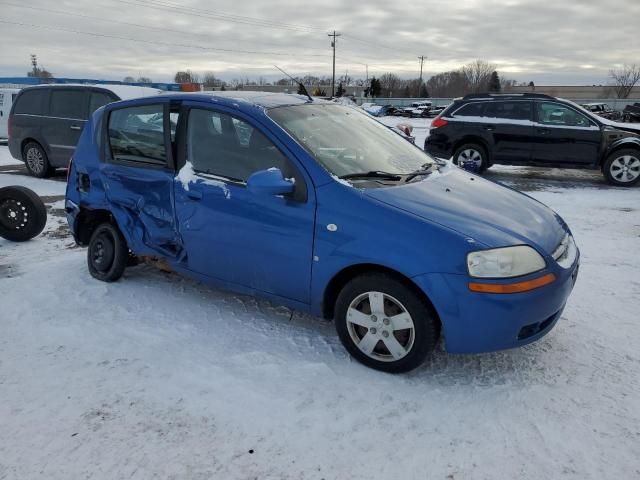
(385, 324)
(108, 254)
(36, 161)
(622, 168)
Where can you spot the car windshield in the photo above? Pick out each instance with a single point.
(348, 142)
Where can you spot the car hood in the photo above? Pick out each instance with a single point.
(489, 213)
(626, 127)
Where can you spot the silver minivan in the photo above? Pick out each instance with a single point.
(46, 121)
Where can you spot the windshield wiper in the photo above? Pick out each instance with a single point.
(426, 169)
(372, 174)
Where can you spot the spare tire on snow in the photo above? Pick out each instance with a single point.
(22, 214)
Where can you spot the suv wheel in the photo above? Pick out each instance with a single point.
(108, 254)
(384, 324)
(622, 168)
(472, 157)
(36, 161)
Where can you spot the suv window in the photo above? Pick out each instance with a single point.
(470, 110)
(136, 134)
(508, 110)
(225, 146)
(31, 102)
(558, 114)
(68, 104)
(99, 99)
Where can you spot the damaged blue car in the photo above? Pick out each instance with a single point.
(319, 207)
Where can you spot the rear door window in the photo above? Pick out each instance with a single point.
(470, 110)
(99, 99)
(509, 110)
(71, 104)
(31, 102)
(136, 135)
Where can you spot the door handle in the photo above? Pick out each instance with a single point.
(543, 131)
(489, 128)
(74, 127)
(194, 194)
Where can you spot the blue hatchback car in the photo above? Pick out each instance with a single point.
(319, 207)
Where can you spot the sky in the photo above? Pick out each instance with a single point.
(564, 42)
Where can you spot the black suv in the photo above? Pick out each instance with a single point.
(534, 129)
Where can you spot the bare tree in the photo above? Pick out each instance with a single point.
(478, 75)
(144, 80)
(210, 80)
(128, 79)
(186, 76)
(624, 79)
(390, 82)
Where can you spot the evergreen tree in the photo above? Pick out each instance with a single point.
(375, 88)
(424, 93)
(340, 90)
(494, 83)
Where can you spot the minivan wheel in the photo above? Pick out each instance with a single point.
(473, 155)
(36, 161)
(108, 254)
(622, 168)
(22, 214)
(384, 324)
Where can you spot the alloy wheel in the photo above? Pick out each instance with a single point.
(380, 326)
(470, 155)
(625, 168)
(35, 160)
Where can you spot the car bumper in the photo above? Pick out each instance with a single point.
(437, 148)
(484, 322)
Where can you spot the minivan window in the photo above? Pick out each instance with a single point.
(228, 147)
(68, 104)
(509, 110)
(346, 141)
(136, 134)
(31, 102)
(99, 99)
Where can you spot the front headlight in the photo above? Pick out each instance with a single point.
(504, 262)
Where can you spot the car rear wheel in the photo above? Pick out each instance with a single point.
(384, 324)
(108, 254)
(22, 214)
(622, 168)
(472, 157)
(36, 161)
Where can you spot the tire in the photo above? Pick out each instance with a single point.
(108, 254)
(36, 160)
(622, 168)
(366, 332)
(473, 152)
(22, 214)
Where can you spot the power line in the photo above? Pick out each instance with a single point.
(155, 42)
(119, 22)
(164, 5)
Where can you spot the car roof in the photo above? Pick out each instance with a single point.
(253, 98)
(124, 92)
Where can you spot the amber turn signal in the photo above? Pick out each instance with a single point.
(513, 287)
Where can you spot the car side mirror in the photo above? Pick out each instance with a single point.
(269, 182)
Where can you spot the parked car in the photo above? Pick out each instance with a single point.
(323, 209)
(435, 111)
(418, 109)
(602, 110)
(46, 121)
(631, 113)
(7, 97)
(374, 109)
(534, 129)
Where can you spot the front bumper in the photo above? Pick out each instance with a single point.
(484, 322)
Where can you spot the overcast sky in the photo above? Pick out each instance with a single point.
(560, 42)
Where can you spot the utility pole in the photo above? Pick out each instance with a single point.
(333, 44)
(421, 58)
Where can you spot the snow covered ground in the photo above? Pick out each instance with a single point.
(157, 376)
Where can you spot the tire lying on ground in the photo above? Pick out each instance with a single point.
(22, 214)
